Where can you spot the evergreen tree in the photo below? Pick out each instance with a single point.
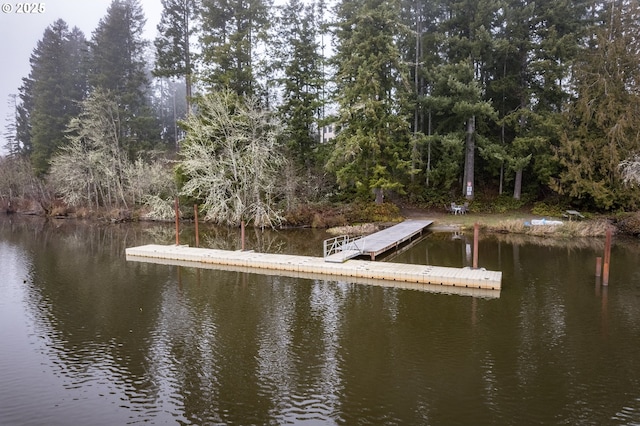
(558, 26)
(456, 101)
(301, 62)
(119, 67)
(371, 150)
(536, 45)
(601, 122)
(469, 44)
(231, 32)
(509, 83)
(423, 48)
(50, 95)
(174, 54)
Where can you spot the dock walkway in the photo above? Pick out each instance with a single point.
(391, 238)
(343, 248)
(416, 276)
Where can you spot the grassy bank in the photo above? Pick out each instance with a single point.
(516, 223)
(574, 229)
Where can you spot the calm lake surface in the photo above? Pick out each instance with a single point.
(89, 338)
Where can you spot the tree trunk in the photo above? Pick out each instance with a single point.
(517, 189)
(502, 139)
(187, 60)
(379, 193)
(470, 148)
(416, 113)
(429, 149)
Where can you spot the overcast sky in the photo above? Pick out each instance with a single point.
(19, 34)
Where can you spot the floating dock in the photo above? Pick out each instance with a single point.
(475, 282)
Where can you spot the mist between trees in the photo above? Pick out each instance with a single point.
(252, 109)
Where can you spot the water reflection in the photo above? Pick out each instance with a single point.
(98, 340)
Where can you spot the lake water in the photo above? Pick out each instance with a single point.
(89, 338)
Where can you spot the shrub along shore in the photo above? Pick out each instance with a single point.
(362, 219)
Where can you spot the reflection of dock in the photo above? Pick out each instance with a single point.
(393, 274)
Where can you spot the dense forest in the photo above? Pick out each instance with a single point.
(254, 110)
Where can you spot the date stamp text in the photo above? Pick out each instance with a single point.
(23, 8)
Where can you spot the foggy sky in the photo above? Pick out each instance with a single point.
(19, 34)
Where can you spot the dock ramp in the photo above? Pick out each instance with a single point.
(340, 249)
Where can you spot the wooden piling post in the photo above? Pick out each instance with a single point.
(598, 266)
(607, 258)
(195, 215)
(177, 223)
(242, 234)
(476, 232)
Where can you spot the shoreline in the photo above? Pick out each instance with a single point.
(504, 223)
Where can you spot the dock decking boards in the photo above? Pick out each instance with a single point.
(382, 241)
(381, 273)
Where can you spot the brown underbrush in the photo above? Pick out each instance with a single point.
(629, 223)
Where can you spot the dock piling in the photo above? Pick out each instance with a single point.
(177, 222)
(195, 215)
(607, 258)
(242, 235)
(476, 232)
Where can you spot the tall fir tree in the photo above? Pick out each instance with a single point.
(466, 47)
(371, 152)
(422, 47)
(509, 83)
(469, 43)
(558, 26)
(174, 53)
(118, 65)
(231, 31)
(536, 45)
(50, 95)
(300, 60)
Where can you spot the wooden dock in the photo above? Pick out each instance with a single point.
(391, 238)
(376, 244)
(476, 282)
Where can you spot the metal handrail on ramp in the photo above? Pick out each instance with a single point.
(339, 249)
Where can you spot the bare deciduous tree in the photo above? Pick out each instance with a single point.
(90, 169)
(630, 170)
(93, 169)
(231, 161)
(18, 180)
